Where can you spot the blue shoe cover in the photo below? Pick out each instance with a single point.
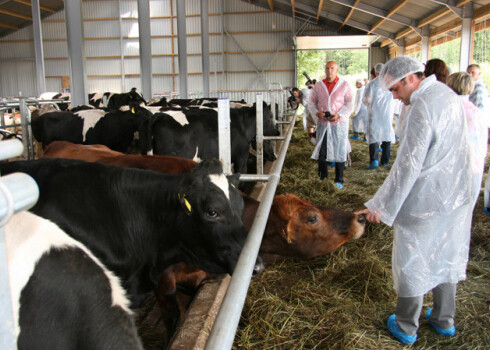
(355, 137)
(398, 333)
(339, 185)
(332, 165)
(384, 164)
(447, 332)
(374, 164)
(486, 211)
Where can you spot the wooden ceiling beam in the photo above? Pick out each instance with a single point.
(15, 14)
(348, 16)
(390, 13)
(271, 4)
(481, 12)
(28, 3)
(320, 6)
(293, 7)
(433, 17)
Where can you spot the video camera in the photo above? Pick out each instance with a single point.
(308, 79)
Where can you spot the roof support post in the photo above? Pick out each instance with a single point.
(425, 49)
(205, 47)
(38, 47)
(400, 50)
(466, 37)
(76, 52)
(145, 47)
(181, 40)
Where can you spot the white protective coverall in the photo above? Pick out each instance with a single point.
(359, 120)
(478, 141)
(339, 102)
(304, 101)
(427, 194)
(381, 109)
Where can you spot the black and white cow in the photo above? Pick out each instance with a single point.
(115, 129)
(116, 100)
(63, 297)
(193, 133)
(139, 222)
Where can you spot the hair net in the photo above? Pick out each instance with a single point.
(398, 68)
(360, 81)
(378, 67)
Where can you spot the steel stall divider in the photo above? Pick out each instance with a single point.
(226, 323)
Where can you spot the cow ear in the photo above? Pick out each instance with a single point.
(234, 180)
(186, 205)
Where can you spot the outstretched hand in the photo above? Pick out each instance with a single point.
(369, 216)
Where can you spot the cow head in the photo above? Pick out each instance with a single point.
(214, 234)
(135, 96)
(298, 228)
(270, 128)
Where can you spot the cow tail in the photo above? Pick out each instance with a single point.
(146, 134)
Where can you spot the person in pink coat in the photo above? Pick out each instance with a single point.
(331, 104)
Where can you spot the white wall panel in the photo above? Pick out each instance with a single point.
(100, 9)
(16, 78)
(160, 26)
(162, 64)
(97, 48)
(53, 30)
(23, 49)
(161, 46)
(103, 66)
(99, 29)
(160, 8)
(57, 67)
(55, 49)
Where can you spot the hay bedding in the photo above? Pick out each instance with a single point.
(342, 301)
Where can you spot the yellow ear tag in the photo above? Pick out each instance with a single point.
(187, 204)
(132, 110)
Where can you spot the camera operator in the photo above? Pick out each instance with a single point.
(331, 105)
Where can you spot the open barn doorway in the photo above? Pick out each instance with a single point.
(351, 53)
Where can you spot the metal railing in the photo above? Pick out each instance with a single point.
(226, 323)
(18, 192)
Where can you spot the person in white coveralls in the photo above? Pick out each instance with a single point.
(331, 104)
(427, 198)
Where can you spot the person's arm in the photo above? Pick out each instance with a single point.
(344, 113)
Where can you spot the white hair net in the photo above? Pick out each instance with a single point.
(398, 68)
(360, 81)
(378, 67)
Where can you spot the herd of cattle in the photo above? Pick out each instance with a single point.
(109, 227)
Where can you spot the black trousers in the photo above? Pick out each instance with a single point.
(323, 165)
(385, 154)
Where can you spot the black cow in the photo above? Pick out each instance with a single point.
(116, 101)
(139, 222)
(63, 296)
(114, 129)
(194, 133)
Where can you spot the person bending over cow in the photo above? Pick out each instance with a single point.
(331, 105)
(427, 198)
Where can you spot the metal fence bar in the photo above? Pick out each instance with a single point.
(17, 192)
(259, 138)
(226, 323)
(224, 140)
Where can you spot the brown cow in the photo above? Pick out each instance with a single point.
(295, 227)
(103, 154)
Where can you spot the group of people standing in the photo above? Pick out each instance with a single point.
(433, 185)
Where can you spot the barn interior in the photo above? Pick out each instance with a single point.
(237, 49)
